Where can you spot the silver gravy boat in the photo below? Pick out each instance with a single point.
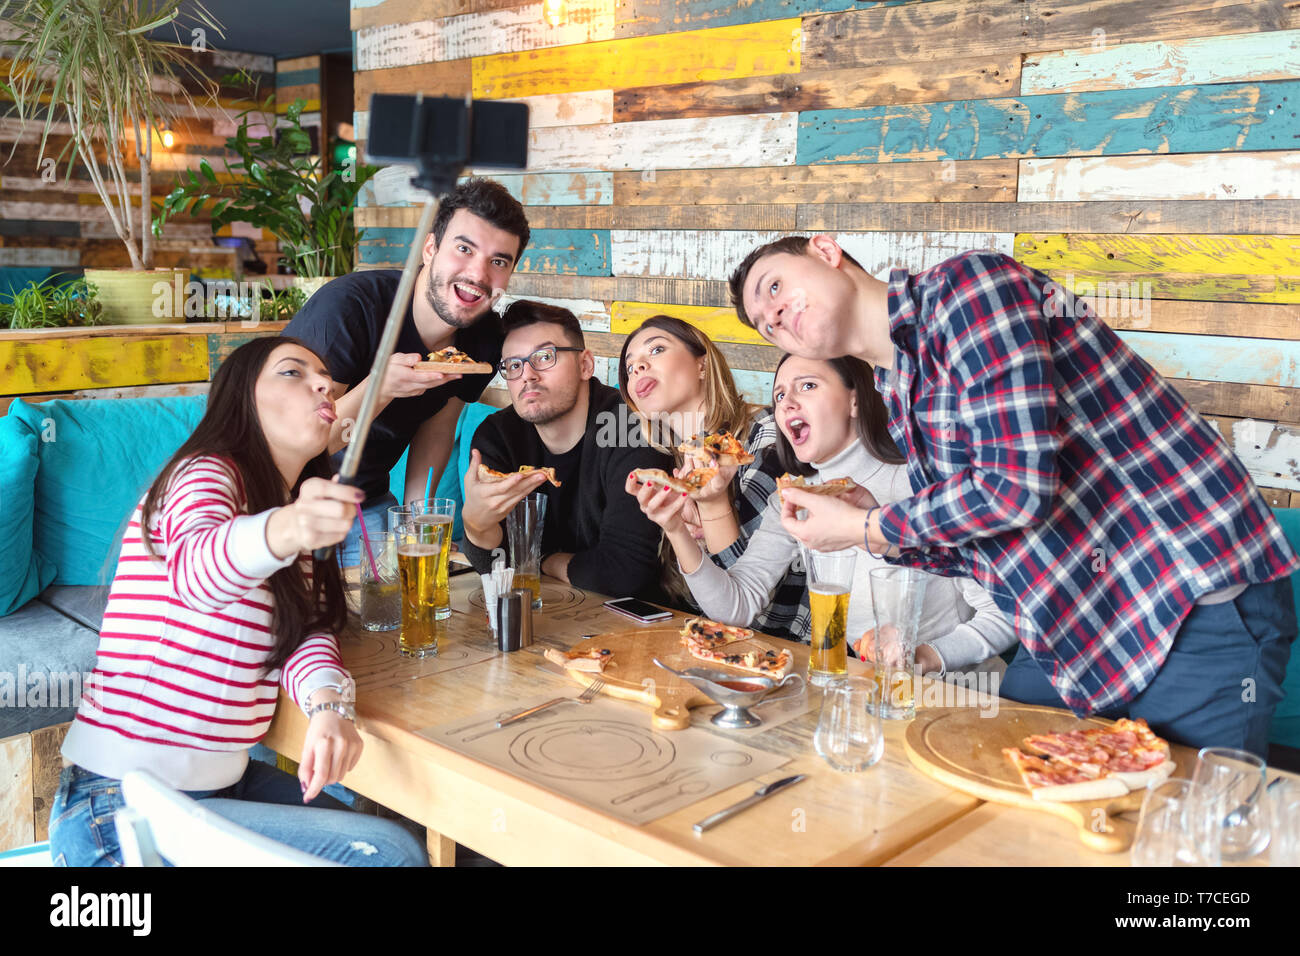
(737, 693)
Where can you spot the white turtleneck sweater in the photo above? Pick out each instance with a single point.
(959, 619)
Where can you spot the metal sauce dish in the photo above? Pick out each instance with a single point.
(736, 692)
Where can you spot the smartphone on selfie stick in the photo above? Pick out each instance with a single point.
(440, 136)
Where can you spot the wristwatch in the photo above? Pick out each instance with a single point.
(345, 710)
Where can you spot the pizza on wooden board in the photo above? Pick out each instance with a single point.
(716, 643)
(452, 359)
(591, 661)
(491, 475)
(1093, 763)
(690, 484)
(833, 488)
(722, 447)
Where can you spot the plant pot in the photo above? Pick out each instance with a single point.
(140, 297)
(310, 285)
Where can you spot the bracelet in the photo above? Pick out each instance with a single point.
(346, 711)
(866, 535)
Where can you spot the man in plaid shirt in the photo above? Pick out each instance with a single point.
(1143, 571)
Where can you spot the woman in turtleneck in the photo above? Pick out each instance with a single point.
(832, 424)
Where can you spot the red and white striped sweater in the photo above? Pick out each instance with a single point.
(178, 686)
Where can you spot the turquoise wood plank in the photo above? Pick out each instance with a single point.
(1176, 119)
(1219, 358)
(582, 252)
(298, 77)
(754, 386)
(677, 16)
(560, 189)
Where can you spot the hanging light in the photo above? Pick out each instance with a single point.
(555, 12)
(168, 138)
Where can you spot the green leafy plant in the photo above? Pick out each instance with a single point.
(50, 304)
(92, 71)
(278, 186)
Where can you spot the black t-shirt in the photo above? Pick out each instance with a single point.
(560, 536)
(344, 322)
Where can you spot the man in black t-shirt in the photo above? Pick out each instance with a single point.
(594, 535)
(477, 239)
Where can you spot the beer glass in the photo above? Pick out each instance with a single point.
(897, 598)
(848, 734)
(398, 515)
(1284, 850)
(830, 579)
(417, 565)
(524, 530)
(381, 599)
(1179, 825)
(1238, 776)
(433, 518)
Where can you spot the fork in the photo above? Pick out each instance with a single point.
(586, 697)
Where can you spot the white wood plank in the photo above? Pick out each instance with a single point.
(707, 143)
(690, 254)
(396, 44)
(1269, 55)
(361, 125)
(587, 108)
(254, 62)
(29, 256)
(593, 315)
(60, 185)
(1265, 175)
(1270, 453)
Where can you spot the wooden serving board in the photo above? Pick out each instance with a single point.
(455, 368)
(632, 674)
(961, 747)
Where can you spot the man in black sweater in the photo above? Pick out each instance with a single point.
(595, 535)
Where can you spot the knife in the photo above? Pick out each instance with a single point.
(762, 793)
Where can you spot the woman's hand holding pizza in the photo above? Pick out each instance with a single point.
(719, 486)
(661, 504)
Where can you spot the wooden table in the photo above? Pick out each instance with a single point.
(831, 818)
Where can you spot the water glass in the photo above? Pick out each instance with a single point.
(1238, 776)
(1284, 797)
(1179, 825)
(398, 515)
(897, 599)
(848, 735)
(524, 527)
(381, 599)
(830, 580)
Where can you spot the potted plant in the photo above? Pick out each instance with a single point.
(52, 304)
(278, 185)
(95, 72)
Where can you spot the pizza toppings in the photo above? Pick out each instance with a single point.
(723, 447)
(452, 359)
(833, 487)
(690, 484)
(592, 660)
(1124, 756)
(717, 643)
(492, 475)
(451, 356)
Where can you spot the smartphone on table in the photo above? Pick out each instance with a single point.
(642, 611)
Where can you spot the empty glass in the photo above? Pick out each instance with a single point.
(381, 599)
(524, 530)
(1179, 825)
(1238, 777)
(1284, 797)
(897, 598)
(848, 735)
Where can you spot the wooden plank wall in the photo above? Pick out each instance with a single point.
(52, 222)
(1104, 141)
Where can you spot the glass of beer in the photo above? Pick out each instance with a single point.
(432, 519)
(417, 565)
(381, 600)
(830, 579)
(897, 598)
(524, 530)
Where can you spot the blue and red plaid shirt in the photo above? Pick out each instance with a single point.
(1063, 473)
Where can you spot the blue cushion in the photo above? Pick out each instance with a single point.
(22, 574)
(45, 658)
(97, 457)
(1286, 719)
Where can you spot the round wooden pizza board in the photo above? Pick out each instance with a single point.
(962, 747)
(632, 674)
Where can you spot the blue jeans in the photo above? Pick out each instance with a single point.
(376, 516)
(1220, 683)
(265, 800)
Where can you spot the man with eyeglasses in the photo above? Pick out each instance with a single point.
(594, 536)
(477, 239)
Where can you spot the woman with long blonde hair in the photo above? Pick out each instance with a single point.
(679, 384)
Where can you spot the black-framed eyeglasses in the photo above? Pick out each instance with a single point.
(541, 360)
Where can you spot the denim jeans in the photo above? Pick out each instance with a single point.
(265, 800)
(1220, 683)
(376, 516)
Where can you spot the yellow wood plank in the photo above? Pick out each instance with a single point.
(755, 49)
(101, 361)
(721, 325)
(1210, 255)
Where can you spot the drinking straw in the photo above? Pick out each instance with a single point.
(428, 485)
(365, 539)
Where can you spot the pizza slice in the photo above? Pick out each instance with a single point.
(491, 475)
(1057, 781)
(705, 633)
(452, 359)
(723, 447)
(833, 487)
(1127, 750)
(690, 484)
(591, 661)
(732, 646)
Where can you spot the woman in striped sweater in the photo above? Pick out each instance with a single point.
(679, 384)
(215, 605)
